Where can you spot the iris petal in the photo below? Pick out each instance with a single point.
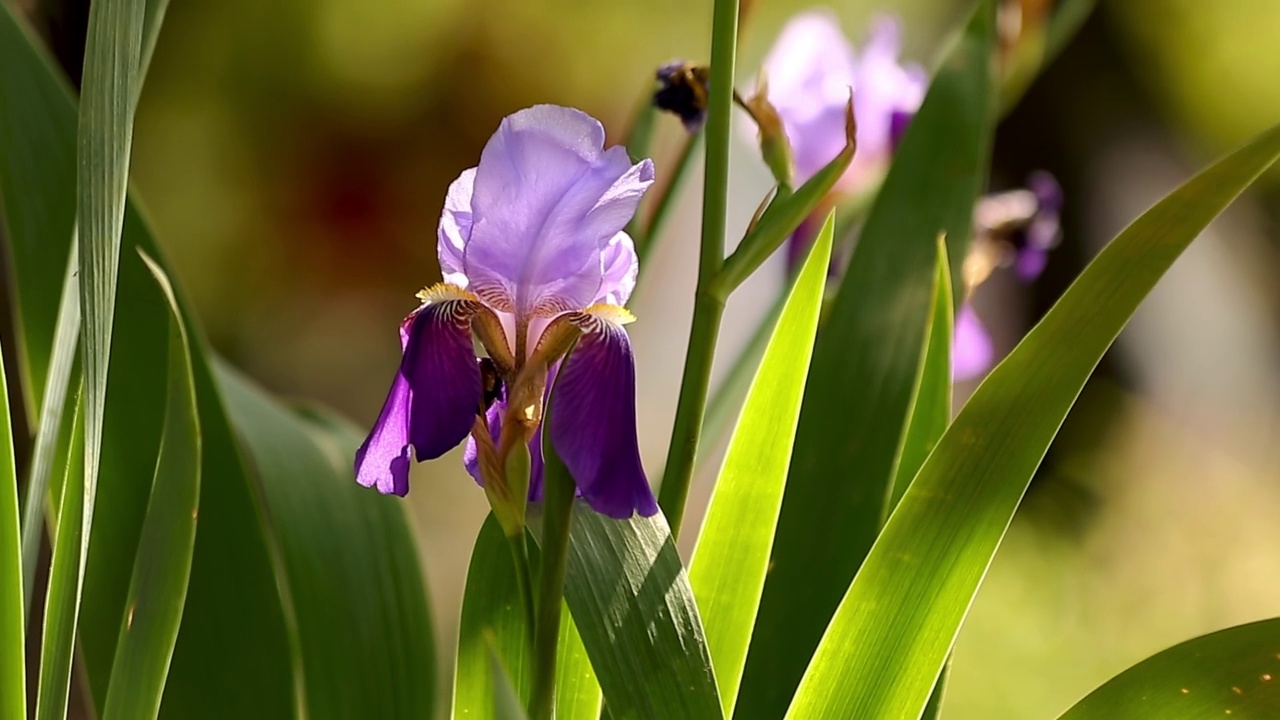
(383, 460)
(432, 401)
(593, 422)
(973, 352)
(547, 200)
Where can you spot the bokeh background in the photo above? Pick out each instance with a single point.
(294, 156)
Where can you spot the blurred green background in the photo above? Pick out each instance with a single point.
(294, 155)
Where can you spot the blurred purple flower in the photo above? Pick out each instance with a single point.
(1015, 228)
(809, 74)
(534, 259)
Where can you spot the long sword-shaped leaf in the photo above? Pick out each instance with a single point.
(58, 638)
(893, 630)
(865, 365)
(930, 409)
(578, 695)
(13, 665)
(347, 565)
(105, 138)
(162, 569)
(493, 623)
(732, 555)
(630, 598)
(1233, 673)
(234, 657)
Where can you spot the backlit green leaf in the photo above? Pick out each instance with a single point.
(732, 555)
(1233, 673)
(893, 630)
(13, 664)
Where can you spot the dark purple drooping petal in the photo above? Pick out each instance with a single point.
(898, 123)
(471, 456)
(383, 460)
(593, 423)
(433, 399)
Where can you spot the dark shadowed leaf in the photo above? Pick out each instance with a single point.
(630, 598)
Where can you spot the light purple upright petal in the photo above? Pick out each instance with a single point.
(547, 199)
(455, 229)
(620, 270)
(383, 460)
(972, 352)
(440, 366)
(593, 423)
(810, 71)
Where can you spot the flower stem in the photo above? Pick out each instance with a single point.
(707, 308)
(557, 518)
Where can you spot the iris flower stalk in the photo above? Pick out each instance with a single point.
(536, 271)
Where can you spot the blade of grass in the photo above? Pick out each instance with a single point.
(891, 634)
(1230, 673)
(13, 665)
(62, 367)
(58, 638)
(158, 589)
(864, 369)
(929, 412)
(732, 555)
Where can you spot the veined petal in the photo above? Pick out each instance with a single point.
(593, 419)
(547, 200)
(433, 397)
(973, 352)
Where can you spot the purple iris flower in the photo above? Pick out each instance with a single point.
(1017, 229)
(809, 73)
(537, 270)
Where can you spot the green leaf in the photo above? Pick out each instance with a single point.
(893, 630)
(162, 568)
(59, 634)
(630, 598)
(865, 365)
(732, 555)
(347, 562)
(13, 665)
(108, 101)
(1230, 673)
(578, 694)
(506, 701)
(53, 432)
(930, 408)
(493, 621)
(234, 656)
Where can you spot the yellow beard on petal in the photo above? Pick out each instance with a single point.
(442, 291)
(615, 314)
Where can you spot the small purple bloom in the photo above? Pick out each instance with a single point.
(534, 260)
(810, 71)
(972, 352)
(1014, 228)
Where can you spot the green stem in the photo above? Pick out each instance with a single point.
(556, 521)
(647, 238)
(707, 308)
